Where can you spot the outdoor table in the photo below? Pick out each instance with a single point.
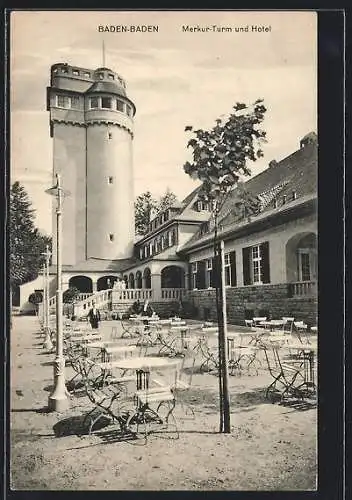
(273, 324)
(109, 351)
(280, 339)
(144, 364)
(309, 351)
(253, 335)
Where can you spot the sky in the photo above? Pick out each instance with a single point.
(174, 77)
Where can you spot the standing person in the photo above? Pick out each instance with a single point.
(94, 316)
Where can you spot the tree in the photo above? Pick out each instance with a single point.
(36, 298)
(166, 201)
(26, 242)
(220, 160)
(144, 207)
(70, 295)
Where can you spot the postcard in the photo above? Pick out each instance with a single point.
(163, 250)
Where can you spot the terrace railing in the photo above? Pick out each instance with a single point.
(172, 293)
(303, 288)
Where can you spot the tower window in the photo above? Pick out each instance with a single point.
(94, 102)
(111, 237)
(63, 101)
(110, 180)
(120, 105)
(129, 110)
(109, 135)
(106, 102)
(74, 101)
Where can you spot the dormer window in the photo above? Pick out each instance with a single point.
(111, 76)
(75, 72)
(64, 70)
(101, 76)
(202, 205)
(86, 74)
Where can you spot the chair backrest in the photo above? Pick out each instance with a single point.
(259, 318)
(288, 323)
(248, 322)
(114, 333)
(270, 352)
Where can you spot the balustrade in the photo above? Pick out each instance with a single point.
(172, 293)
(303, 288)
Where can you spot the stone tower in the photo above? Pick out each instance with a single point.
(91, 123)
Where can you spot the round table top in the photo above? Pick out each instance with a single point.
(145, 362)
(119, 348)
(302, 347)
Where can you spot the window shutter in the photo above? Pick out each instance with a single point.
(190, 275)
(233, 268)
(201, 275)
(264, 250)
(246, 266)
(215, 273)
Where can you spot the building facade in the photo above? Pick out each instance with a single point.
(270, 254)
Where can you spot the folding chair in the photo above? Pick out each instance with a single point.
(288, 376)
(114, 335)
(301, 330)
(107, 402)
(241, 357)
(210, 360)
(183, 381)
(287, 324)
(148, 403)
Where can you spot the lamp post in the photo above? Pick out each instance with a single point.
(58, 400)
(48, 345)
(43, 299)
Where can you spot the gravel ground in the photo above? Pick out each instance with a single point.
(272, 446)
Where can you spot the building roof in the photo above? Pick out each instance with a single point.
(288, 181)
(97, 265)
(108, 87)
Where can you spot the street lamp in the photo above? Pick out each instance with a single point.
(58, 400)
(48, 345)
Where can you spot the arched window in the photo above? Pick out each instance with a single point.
(131, 281)
(139, 283)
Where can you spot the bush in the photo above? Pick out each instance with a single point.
(70, 295)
